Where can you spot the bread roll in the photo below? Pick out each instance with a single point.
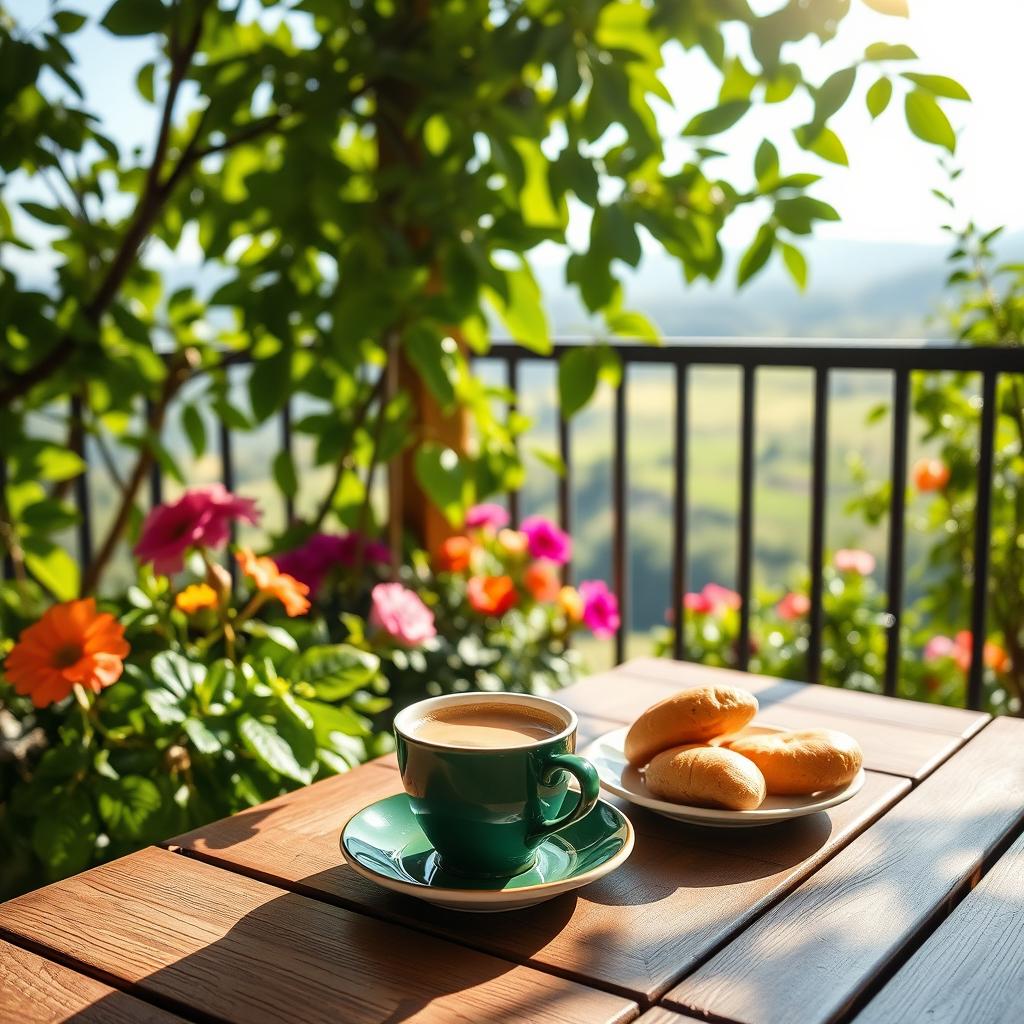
(798, 763)
(705, 777)
(690, 716)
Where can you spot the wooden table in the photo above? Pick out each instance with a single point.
(905, 903)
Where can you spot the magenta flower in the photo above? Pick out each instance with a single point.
(401, 614)
(793, 606)
(696, 602)
(312, 561)
(201, 517)
(939, 647)
(487, 514)
(545, 540)
(854, 560)
(600, 608)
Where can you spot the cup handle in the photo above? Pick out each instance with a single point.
(590, 788)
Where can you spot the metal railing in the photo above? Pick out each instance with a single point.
(678, 356)
(821, 357)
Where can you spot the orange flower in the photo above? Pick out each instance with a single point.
(72, 643)
(491, 595)
(541, 580)
(571, 603)
(930, 474)
(453, 555)
(195, 598)
(271, 581)
(515, 542)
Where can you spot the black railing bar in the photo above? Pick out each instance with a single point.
(286, 446)
(679, 515)
(835, 356)
(512, 379)
(156, 479)
(819, 473)
(82, 499)
(744, 566)
(620, 554)
(565, 485)
(982, 541)
(897, 528)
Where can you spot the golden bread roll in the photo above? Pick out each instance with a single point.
(690, 716)
(802, 762)
(705, 777)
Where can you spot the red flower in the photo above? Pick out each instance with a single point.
(855, 560)
(993, 654)
(541, 580)
(492, 595)
(793, 606)
(453, 555)
(930, 475)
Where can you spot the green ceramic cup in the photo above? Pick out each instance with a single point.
(486, 810)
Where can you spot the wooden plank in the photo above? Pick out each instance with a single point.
(234, 948)
(972, 967)
(816, 954)
(683, 892)
(34, 990)
(770, 690)
(659, 1015)
(892, 747)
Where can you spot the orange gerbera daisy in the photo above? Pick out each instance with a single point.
(271, 581)
(195, 598)
(72, 643)
(492, 595)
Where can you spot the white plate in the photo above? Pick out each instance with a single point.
(620, 778)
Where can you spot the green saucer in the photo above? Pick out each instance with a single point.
(383, 843)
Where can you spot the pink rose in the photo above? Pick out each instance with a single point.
(401, 614)
(696, 602)
(600, 608)
(546, 540)
(854, 560)
(201, 517)
(793, 606)
(311, 562)
(487, 514)
(721, 597)
(939, 647)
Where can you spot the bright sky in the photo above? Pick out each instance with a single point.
(883, 195)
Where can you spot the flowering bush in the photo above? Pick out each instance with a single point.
(853, 636)
(198, 694)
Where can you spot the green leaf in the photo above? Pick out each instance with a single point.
(894, 8)
(195, 429)
(426, 351)
(336, 670)
(718, 119)
(334, 727)
(203, 739)
(795, 263)
(176, 673)
(878, 96)
(799, 213)
(64, 837)
(52, 566)
(577, 379)
(135, 17)
(825, 143)
(275, 634)
(270, 383)
(766, 164)
(756, 255)
(833, 93)
(889, 51)
(129, 806)
(164, 706)
(56, 464)
(927, 121)
(523, 312)
(144, 82)
(443, 474)
(630, 324)
(938, 85)
(284, 474)
(270, 748)
(69, 22)
(53, 216)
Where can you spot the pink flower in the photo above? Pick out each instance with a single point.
(312, 561)
(401, 614)
(546, 540)
(855, 560)
(697, 602)
(200, 518)
(793, 606)
(487, 514)
(721, 597)
(939, 647)
(600, 608)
